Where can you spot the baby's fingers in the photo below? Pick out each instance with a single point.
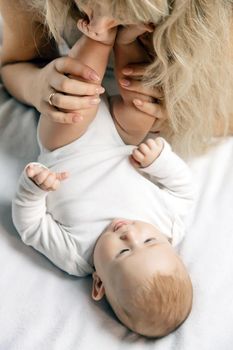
(44, 178)
(144, 148)
(141, 88)
(50, 183)
(33, 170)
(41, 178)
(62, 176)
(151, 144)
(53, 181)
(138, 155)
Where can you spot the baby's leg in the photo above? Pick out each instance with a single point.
(95, 55)
(133, 125)
(128, 35)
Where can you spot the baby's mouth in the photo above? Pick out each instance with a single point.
(119, 223)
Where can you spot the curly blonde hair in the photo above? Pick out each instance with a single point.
(193, 63)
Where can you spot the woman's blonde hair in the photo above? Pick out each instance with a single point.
(193, 62)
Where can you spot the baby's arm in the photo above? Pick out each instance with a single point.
(131, 124)
(36, 227)
(95, 55)
(156, 158)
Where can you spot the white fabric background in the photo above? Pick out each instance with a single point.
(43, 308)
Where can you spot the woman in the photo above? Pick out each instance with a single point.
(191, 65)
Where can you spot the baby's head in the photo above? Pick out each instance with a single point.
(144, 280)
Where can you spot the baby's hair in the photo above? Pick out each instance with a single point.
(193, 62)
(160, 305)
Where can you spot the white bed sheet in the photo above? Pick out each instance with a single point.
(43, 308)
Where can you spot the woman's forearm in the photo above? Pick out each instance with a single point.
(21, 80)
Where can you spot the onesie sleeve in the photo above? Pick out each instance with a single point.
(174, 178)
(38, 229)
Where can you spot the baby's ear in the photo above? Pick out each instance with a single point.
(98, 290)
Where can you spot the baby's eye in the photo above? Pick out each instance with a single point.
(149, 240)
(123, 251)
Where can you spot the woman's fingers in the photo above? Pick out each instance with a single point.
(68, 109)
(150, 97)
(71, 85)
(135, 70)
(68, 92)
(68, 65)
(139, 87)
(71, 103)
(149, 102)
(66, 88)
(59, 116)
(154, 109)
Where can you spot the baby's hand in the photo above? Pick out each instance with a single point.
(146, 153)
(127, 35)
(44, 178)
(106, 37)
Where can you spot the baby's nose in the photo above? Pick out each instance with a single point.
(130, 236)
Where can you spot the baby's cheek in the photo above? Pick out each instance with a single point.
(103, 251)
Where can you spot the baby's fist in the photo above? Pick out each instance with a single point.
(44, 178)
(146, 153)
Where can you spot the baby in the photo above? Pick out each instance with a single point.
(108, 218)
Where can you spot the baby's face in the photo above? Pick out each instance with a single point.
(126, 255)
(132, 248)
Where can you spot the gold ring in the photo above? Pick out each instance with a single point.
(50, 98)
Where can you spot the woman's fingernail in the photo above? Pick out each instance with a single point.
(77, 118)
(127, 71)
(100, 90)
(124, 82)
(138, 102)
(95, 101)
(94, 76)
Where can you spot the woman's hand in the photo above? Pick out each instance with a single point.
(66, 87)
(151, 99)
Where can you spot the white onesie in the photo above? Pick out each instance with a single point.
(64, 225)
